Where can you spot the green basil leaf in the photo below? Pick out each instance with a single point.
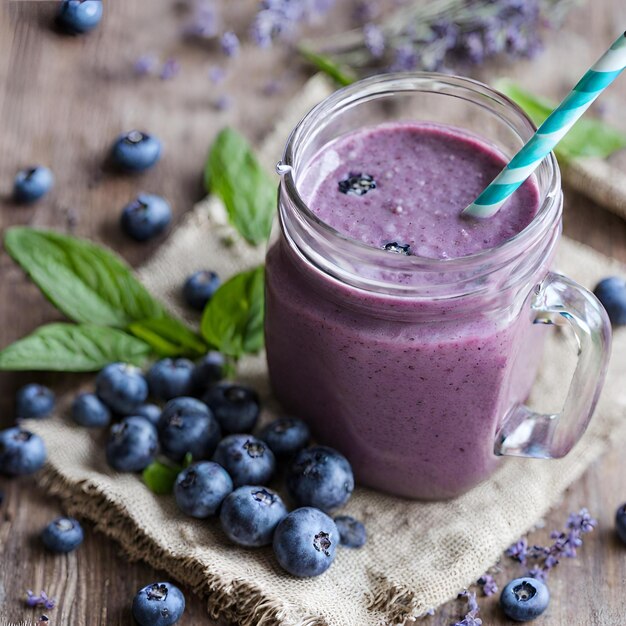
(160, 478)
(341, 75)
(233, 174)
(233, 319)
(86, 282)
(73, 348)
(169, 337)
(588, 137)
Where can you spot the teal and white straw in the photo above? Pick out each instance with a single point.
(554, 128)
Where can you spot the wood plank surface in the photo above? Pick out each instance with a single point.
(62, 102)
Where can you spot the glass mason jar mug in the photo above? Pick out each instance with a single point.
(417, 369)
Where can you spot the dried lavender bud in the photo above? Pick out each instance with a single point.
(217, 74)
(230, 44)
(488, 584)
(471, 618)
(204, 22)
(170, 68)
(374, 40)
(357, 184)
(518, 551)
(41, 600)
(145, 65)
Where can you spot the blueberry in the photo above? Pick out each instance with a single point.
(132, 444)
(136, 151)
(236, 407)
(620, 522)
(523, 599)
(398, 248)
(146, 217)
(21, 452)
(79, 16)
(250, 515)
(199, 288)
(32, 183)
(286, 436)
(305, 542)
(357, 184)
(34, 401)
(320, 477)
(151, 412)
(612, 294)
(63, 534)
(187, 425)
(201, 488)
(208, 371)
(352, 533)
(89, 410)
(158, 604)
(170, 378)
(247, 459)
(121, 387)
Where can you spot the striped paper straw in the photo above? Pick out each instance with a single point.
(554, 128)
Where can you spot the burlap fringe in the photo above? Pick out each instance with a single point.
(238, 601)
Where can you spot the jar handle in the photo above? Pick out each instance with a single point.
(560, 301)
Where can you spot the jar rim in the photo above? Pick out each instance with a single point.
(391, 83)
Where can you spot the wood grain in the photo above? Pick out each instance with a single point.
(62, 102)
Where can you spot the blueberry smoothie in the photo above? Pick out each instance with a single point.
(411, 393)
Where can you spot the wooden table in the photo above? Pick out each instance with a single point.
(62, 102)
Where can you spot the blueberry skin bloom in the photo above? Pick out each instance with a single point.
(63, 534)
(88, 410)
(247, 459)
(286, 436)
(136, 151)
(146, 217)
(620, 522)
(187, 425)
(132, 444)
(79, 16)
(320, 477)
(352, 533)
(612, 294)
(32, 183)
(151, 412)
(121, 387)
(305, 542)
(236, 407)
(199, 288)
(201, 488)
(158, 604)
(170, 378)
(21, 452)
(250, 515)
(208, 371)
(524, 599)
(34, 401)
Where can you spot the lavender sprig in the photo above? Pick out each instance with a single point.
(565, 544)
(41, 600)
(440, 34)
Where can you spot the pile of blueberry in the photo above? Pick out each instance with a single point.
(232, 467)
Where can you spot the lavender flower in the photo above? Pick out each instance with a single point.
(471, 617)
(41, 600)
(581, 521)
(230, 44)
(374, 40)
(204, 21)
(223, 102)
(405, 59)
(537, 572)
(488, 584)
(170, 69)
(365, 11)
(145, 65)
(518, 551)
(280, 19)
(217, 74)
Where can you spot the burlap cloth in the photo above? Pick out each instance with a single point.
(418, 555)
